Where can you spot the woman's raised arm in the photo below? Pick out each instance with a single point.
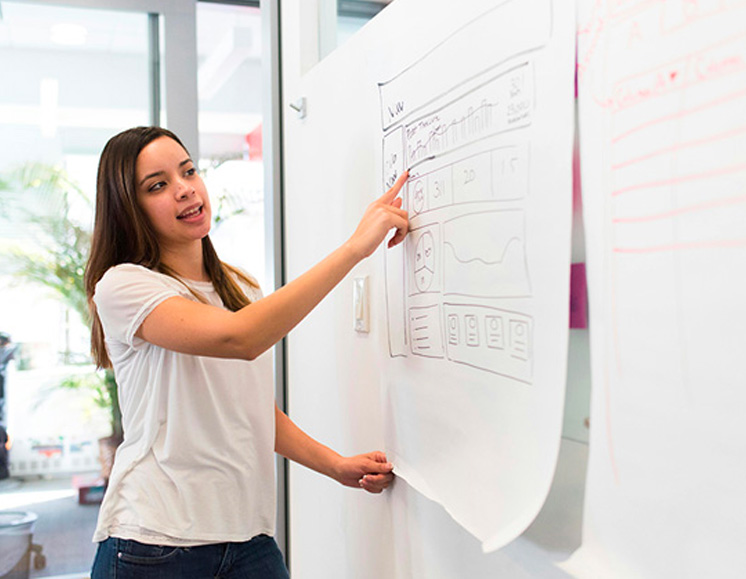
(190, 327)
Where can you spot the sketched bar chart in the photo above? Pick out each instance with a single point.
(501, 104)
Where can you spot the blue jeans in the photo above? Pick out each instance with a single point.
(124, 559)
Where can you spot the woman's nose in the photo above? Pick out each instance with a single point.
(183, 189)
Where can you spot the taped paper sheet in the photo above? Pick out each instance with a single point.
(663, 144)
(477, 296)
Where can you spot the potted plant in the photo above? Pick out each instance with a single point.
(103, 387)
(57, 261)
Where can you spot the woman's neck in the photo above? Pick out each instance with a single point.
(186, 262)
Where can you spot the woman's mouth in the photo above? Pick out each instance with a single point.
(191, 213)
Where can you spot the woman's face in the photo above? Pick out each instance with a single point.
(172, 194)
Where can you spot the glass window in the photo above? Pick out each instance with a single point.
(347, 17)
(71, 78)
(229, 49)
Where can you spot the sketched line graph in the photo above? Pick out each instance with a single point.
(485, 255)
(499, 261)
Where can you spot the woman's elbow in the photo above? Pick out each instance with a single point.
(250, 355)
(239, 350)
(243, 348)
(244, 343)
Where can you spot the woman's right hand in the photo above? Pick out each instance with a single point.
(384, 214)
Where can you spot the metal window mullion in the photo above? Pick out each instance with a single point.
(154, 68)
(249, 3)
(274, 218)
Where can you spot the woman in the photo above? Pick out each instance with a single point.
(192, 492)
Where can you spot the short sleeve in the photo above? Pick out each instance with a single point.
(254, 291)
(124, 297)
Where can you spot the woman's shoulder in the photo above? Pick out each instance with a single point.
(131, 271)
(128, 277)
(129, 268)
(246, 281)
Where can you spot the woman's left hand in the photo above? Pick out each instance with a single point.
(370, 471)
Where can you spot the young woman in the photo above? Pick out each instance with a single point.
(192, 492)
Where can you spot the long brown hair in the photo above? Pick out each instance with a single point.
(123, 234)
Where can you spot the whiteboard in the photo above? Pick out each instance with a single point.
(472, 414)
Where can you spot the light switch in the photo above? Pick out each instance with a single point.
(360, 305)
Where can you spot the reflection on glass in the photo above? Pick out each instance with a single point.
(346, 17)
(230, 130)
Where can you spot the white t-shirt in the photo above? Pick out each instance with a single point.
(197, 462)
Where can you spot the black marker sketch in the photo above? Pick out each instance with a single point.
(477, 338)
(393, 157)
(500, 174)
(401, 98)
(470, 145)
(484, 255)
(418, 163)
(504, 103)
(424, 269)
(422, 260)
(495, 337)
(417, 196)
(426, 336)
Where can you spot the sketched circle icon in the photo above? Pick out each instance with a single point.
(418, 201)
(424, 262)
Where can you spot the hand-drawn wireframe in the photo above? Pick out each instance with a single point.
(497, 175)
(426, 333)
(424, 269)
(481, 107)
(422, 255)
(491, 339)
(393, 159)
(501, 104)
(484, 255)
(468, 152)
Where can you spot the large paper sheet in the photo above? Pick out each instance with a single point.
(663, 145)
(477, 296)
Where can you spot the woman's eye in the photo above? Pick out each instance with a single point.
(157, 186)
(191, 171)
